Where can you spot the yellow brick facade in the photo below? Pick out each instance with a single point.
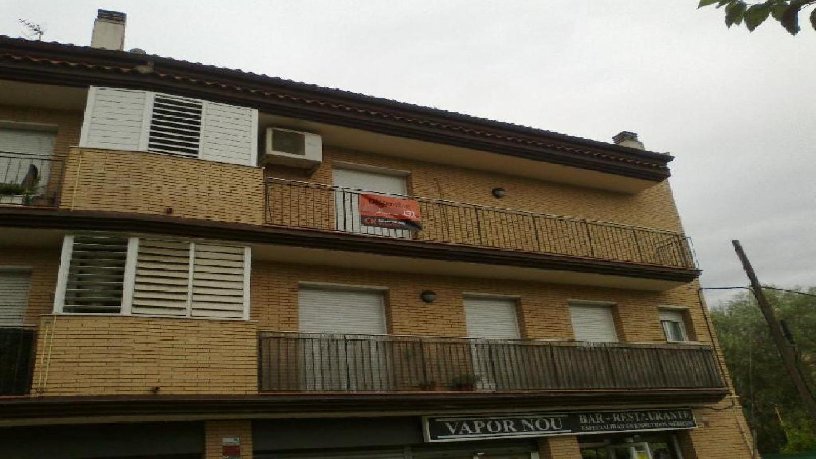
(559, 448)
(117, 355)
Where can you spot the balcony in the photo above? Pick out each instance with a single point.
(298, 362)
(30, 180)
(332, 209)
(16, 360)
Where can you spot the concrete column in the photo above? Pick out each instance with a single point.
(217, 433)
(559, 448)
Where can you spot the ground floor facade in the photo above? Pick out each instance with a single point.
(620, 433)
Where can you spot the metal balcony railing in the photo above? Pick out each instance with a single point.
(305, 362)
(16, 360)
(30, 180)
(328, 208)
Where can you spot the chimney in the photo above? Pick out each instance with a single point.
(109, 30)
(628, 139)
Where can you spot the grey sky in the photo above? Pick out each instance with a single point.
(738, 110)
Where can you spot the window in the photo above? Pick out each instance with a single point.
(674, 325)
(491, 317)
(25, 155)
(593, 322)
(347, 199)
(152, 276)
(122, 119)
(14, 285)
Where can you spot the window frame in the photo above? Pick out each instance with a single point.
(682, 323)
(19, 269)
(609, 305)
(126, 305)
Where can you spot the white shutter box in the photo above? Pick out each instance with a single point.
(95, 277)
(229, 134)
(218, 284)
(593, 323)
(115, 119)
(162, 278)
(494, 318)
(341, 311)
(14, 286)
(175, 126)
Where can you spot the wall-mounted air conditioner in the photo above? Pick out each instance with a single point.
(293, 148)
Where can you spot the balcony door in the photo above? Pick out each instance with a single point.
(488, 319)
(345, 348)
(351, 184)
(25, 156)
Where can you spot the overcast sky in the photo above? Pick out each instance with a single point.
(738, 110)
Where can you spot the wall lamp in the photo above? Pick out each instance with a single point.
(498, 192)
(428, 296)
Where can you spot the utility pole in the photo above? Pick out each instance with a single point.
(785, 350)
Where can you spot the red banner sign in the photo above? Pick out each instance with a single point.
(389, 212)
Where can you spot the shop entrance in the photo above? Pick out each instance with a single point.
(654, 446)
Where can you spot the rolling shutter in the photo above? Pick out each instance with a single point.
(96, 273)
(24, 150)
(162, 278)
(593, 323)
(341, 311)
(491, 318)
(14, 287)
(175, 126)
(219, 287)
(229, 134)
(121, 119)
(347, 205)
(115, 119)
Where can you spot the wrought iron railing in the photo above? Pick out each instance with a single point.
(16, 360)
(327, 208)
(362, 363)
(30, 180)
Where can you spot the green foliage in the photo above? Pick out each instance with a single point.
(760, 379)
(785, 11)
(11, 189)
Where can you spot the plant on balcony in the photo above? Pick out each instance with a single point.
(465, 381)
(11, 189)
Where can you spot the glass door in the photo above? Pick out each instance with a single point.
(630, 451)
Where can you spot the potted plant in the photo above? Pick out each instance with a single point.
(465, 381)
(13, 193)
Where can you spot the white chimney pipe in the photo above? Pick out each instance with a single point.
(628, 139)
(109, 30)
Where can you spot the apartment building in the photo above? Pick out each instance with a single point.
(202, 262)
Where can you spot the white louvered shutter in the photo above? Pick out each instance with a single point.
(162, 280)
(96, 274)
(341, 311)
(229, 134)
(593, 323)
(115, 119)
(219, 287)
(493, 318)
(175, 126)
(14, 286)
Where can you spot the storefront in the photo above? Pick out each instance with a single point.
(619, 434)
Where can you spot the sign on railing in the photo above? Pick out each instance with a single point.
(389, 212)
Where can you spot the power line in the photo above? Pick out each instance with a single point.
(764, 287)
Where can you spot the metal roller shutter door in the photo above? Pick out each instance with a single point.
(491, 318)
(593, 323)
(341, 311)
(14, 287)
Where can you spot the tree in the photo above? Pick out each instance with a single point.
(771, 404)
(752, 15)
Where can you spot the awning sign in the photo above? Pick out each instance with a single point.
(462, 428)
(389, 212)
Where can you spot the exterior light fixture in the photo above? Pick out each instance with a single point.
(428, 296)
(499, 192)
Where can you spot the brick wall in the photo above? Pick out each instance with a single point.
(559, 448)
(544, 307)
(149, 183)
(44, 265)
(106, 355)
(723, 433)
(653, 207)
(216, 431)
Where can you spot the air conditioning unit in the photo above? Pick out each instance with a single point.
(292, 148)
